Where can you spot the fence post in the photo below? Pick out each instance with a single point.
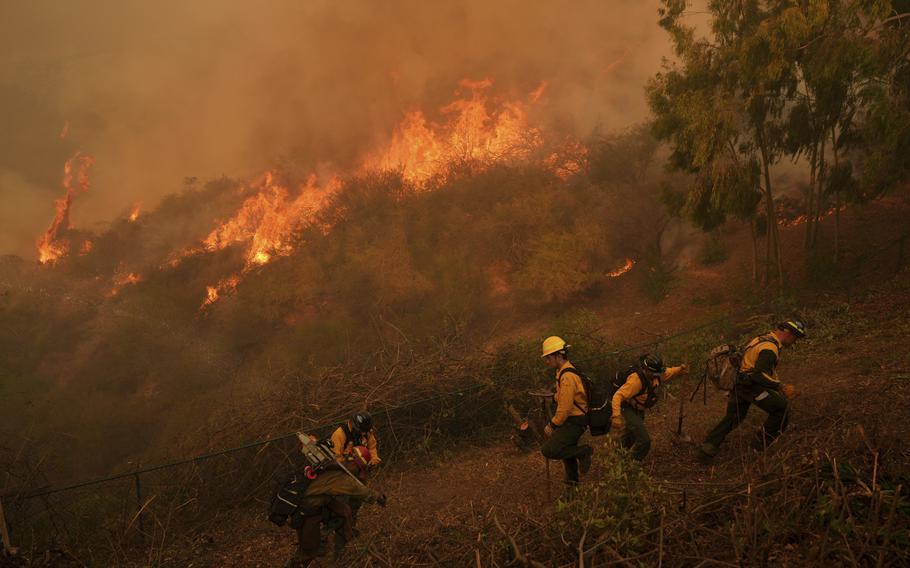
(4, 534)
(900, 251)
(139, 504)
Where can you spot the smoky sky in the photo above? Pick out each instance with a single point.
(161, 90)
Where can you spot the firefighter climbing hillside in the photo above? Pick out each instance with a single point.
(570, 420)
(357, 431)
(636, 391)
(322, 496)
(757, 383)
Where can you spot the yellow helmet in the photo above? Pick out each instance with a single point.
(553, 344)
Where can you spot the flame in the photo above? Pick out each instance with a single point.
(474, 130)
(213, 293)
(134, 213)
(618, 62)
(475, 133)
(52, 246)
(121, 280)
(800, 219)
(269, 219)
(622, 269)
(86, 247)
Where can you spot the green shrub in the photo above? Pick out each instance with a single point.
(617, 509)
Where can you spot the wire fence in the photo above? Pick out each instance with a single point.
(109, 516)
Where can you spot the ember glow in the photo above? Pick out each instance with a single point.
(799, 220)
(134, 213)
(622, 269)
(53, 244)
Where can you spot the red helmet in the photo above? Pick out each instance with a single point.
(360, 458)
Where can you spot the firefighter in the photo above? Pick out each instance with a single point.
(326, 503)
(570, 420)
(634, 394)
(758, 384)
(357, 431)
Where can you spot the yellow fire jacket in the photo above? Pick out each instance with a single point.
(342, 447)
(633, 393)
(570, 396)
(760, 359)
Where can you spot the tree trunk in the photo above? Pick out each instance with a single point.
(821, 189)
(810, 203)
(754, 249)
(773, 234)
(836, 201)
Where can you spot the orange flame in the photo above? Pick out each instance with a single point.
(269, 219)
(121, 280)
(622, 269)
(800, 219)
(213, 293)
(475, 131)
(134, 213)
(52, 246)
(474, 134)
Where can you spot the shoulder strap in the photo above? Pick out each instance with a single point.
(584, 385)
(349, 436)
(756, 341)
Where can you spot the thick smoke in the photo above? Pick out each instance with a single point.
(158, 91)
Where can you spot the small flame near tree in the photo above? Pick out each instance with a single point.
(622, 269)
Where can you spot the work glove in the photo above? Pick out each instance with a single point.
(548, 430)
(789, 391)
(617, 427)
(375, 460)
(684, 368)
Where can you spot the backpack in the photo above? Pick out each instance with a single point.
(722, 367)
(289, 492)
(291, 485)
(724, 362)
(620, 378)
(599, 410)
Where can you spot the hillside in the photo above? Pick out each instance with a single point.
(832, 490)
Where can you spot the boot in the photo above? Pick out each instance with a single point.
(584, 460)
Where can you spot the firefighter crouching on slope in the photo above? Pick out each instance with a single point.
(327, 501)
(637, 393)
(758, 384)
(357, 431)
(570, 420)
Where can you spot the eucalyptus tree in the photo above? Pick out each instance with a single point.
(841, 53)
(721, 107)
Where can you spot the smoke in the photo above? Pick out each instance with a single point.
(158, 91)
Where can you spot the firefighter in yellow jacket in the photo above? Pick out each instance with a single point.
(758, 384)
(327, 502)
(570, 419)
(636, 393)
(357, 431)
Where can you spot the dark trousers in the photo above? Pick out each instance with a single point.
(563, 445)
(308, 541)
(636, 436)
(775, 404)
(336, 516)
